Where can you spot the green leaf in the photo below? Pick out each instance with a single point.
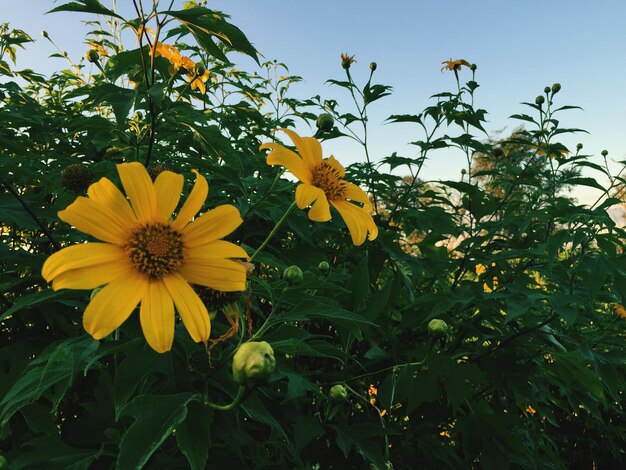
(155, 417)
(37, 298)
(87, 6)
(193, 435)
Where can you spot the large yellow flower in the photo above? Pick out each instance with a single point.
(147, 257)
(322, 182)
(455, 64)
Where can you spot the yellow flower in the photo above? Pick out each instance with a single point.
(322, 182)
(177, 60)
(454, 64)
(347, 60)
(480, 269)
(146, 257)
(198, 81)
(618, 310)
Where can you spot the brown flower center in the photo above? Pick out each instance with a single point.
(329, 180)
(155, 250)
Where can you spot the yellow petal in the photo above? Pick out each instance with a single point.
(190, 308)
(320, 212)
(113, 305)
(307, 194)
(217, 273)
(359, 221)
(309, 148)
(355, 193)
(167, 186)
(82, 256)
(139, 189)
(157, 317)
(280, 155)
(106, 193)
(214, 249)
(338, 167)
(193, 204)
(92, 276)
(94, 219)
(212, 225)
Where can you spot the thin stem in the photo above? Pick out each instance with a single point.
(242, 394)
(274, 230)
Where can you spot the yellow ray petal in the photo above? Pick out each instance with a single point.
(94, 219)
(214, 249)
(338, 167)
(359, 221)
(309, 148)
(167, 186)
(280, 155)
(113, 305)
(106, 193)
(355, 193)
(92, 276)
(320, 211)
(82, 256)
(212, 225)
(307, 194)
(190, 308)
(139, 189)
(217, 273)
(157, 317)
(193, 204)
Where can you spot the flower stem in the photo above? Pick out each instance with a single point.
(274, 230)
(242, 393)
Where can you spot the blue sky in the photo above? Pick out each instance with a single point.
(519, 47)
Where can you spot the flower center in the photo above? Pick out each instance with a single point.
(155, 250)
(328, 179)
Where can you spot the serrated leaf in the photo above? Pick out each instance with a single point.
(86, 6)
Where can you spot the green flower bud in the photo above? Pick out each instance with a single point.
(373, 66)
(325, 122)
(540, 100)
(498, 152)
(76, 178)
(324, 267)
(579, 146)
(253, 363)
(92, 56)
(293, 275)
(437, 328)
(473, 67)
(337, 393)
(200, 69)
(45, 34)
(546, 89)
(604, 153)
(556, 88)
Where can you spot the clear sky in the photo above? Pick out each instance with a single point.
(519, 47)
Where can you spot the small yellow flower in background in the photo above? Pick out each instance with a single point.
(530, 410)
(178, 61)
(455, 64)
(480, 269)
(488, 289)
(322, 182)
(198, 81)
(618, 310)
(347, 60)
(99, 48)
(146, 257)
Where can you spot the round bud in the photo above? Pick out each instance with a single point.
(463, 171)
(604, 153)
(325, 122)
(324, 267)
(556, 88)
(293, 275)
(546, 89)
(92, 56)
(498, 152)
(579, 146)
(200, 69)
(76, 178)
(337, 393)
(540, 100)
(45, 34)
(473, 67)
(373, 66)
(253, 363)
(437, 328)
(156, 170)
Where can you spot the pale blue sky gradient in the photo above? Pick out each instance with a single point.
(519, 47)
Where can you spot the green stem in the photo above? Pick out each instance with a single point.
(274, 230)
(242, 393)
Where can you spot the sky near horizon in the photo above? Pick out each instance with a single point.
(519, 48)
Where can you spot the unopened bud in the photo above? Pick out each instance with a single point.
(293, 275)
(473, 67)
(324, 267)
(45, 34)
(540, 100)
(604, 153)
(556, 88)
(579, 146)
(92, 56)
(76, 178)
(437, 328)
(546, 89)
(337, 393)
(254, 363)
(325, 122)
(373, 66)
